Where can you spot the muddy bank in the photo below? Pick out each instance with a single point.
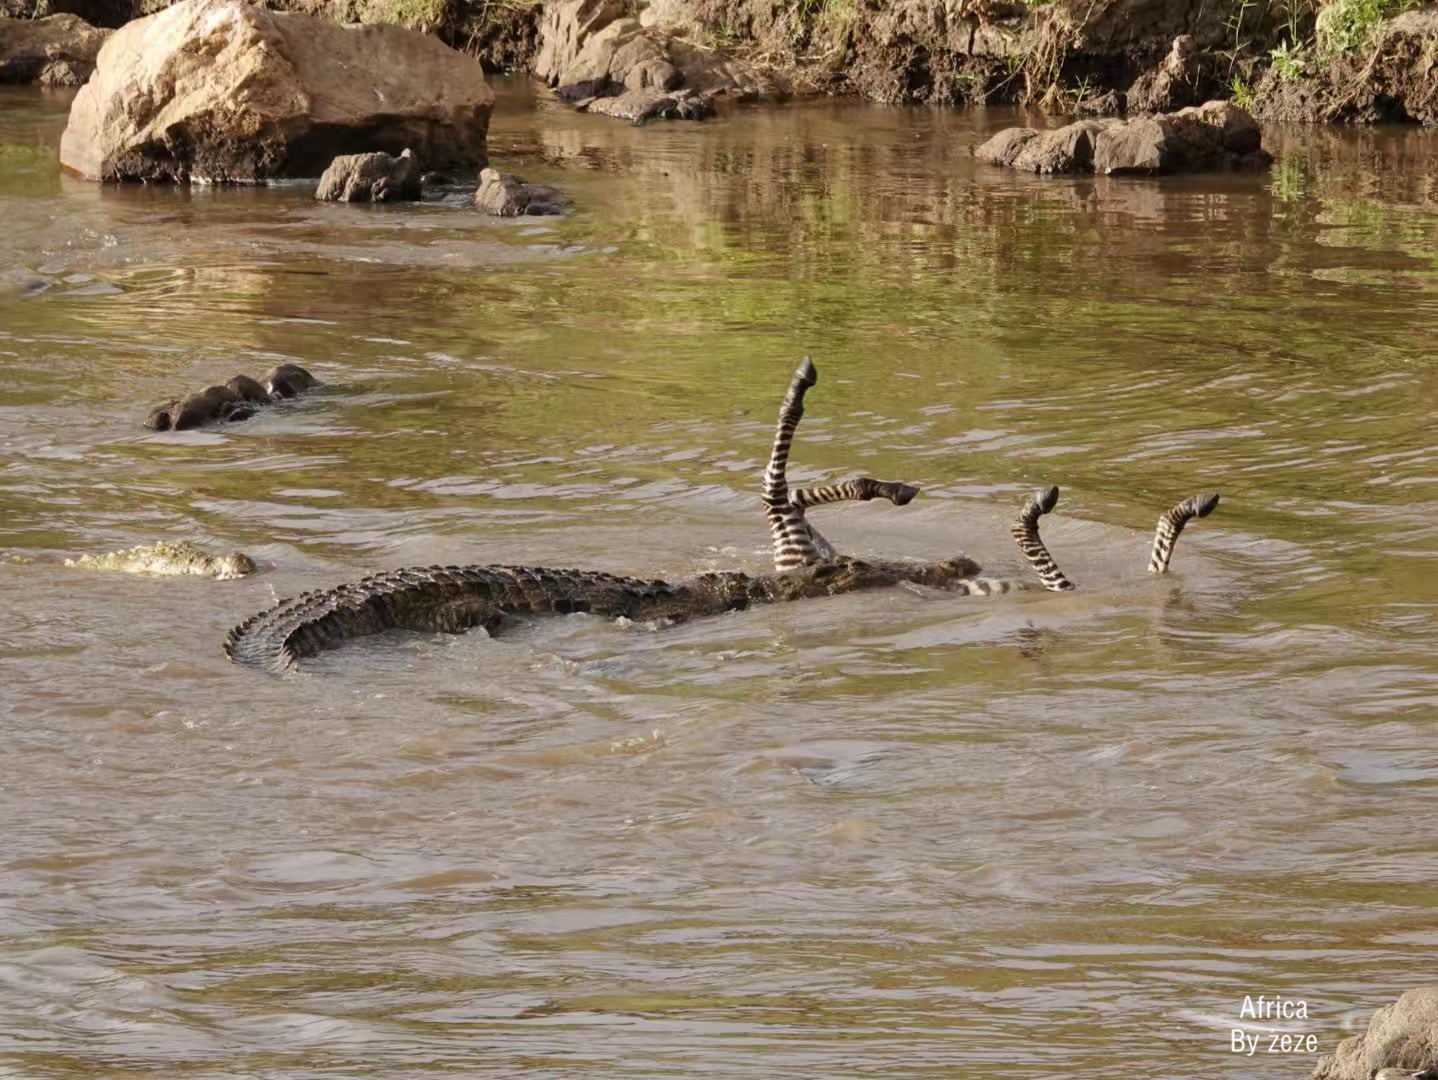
(1334, 60)
(1390, 78)
(1306, 60)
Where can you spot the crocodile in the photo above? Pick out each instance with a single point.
(454, 599)
(170, 559)
(235, 400)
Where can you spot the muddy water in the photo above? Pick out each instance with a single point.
(900, 834)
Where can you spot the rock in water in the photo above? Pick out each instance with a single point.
(1003, 148)
(58, 50)
(371, 178)
(1066, 150)
(509, 196)
(219, 91)
(1218, 135)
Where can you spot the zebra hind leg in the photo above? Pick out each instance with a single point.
(794, 544)
(861, 490)
(1026, 533)
(1172, 523)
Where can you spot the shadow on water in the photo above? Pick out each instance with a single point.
(907, 832)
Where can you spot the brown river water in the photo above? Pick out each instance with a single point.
(898, 834)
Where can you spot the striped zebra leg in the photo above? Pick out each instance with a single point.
(861, 490)
(1026, 533)
(793, 539)
(1172, 523)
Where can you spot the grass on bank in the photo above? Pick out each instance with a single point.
(1345, 26)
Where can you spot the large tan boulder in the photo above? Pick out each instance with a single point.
(58, 50)
(1402, 1037)
(219, 91)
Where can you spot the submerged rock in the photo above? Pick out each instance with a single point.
(1402, 1037)
(58, 50)
(505, 195)
(376, 177)
(170, 559)
(1218, 135)
(220, 91)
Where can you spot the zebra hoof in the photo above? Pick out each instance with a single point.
(1046, 500)
(804, 374)
(1203, 505)
(902, 494)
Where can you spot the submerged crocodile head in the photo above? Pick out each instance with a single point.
(235, 564)
(170, 559)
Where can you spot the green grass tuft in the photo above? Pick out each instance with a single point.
(1240, 94)
(1346, 25)
(1288, 62)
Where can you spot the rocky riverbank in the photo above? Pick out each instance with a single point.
(1311, 60)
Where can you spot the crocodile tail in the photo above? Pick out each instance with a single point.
(1172, 523)
(437, 598)
(1026, 533)
(793, 540)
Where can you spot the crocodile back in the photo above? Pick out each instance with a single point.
(450, 599)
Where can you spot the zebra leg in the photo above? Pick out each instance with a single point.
(793, 539)
(1026, 533)
(861, 490)
(1172, 523)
